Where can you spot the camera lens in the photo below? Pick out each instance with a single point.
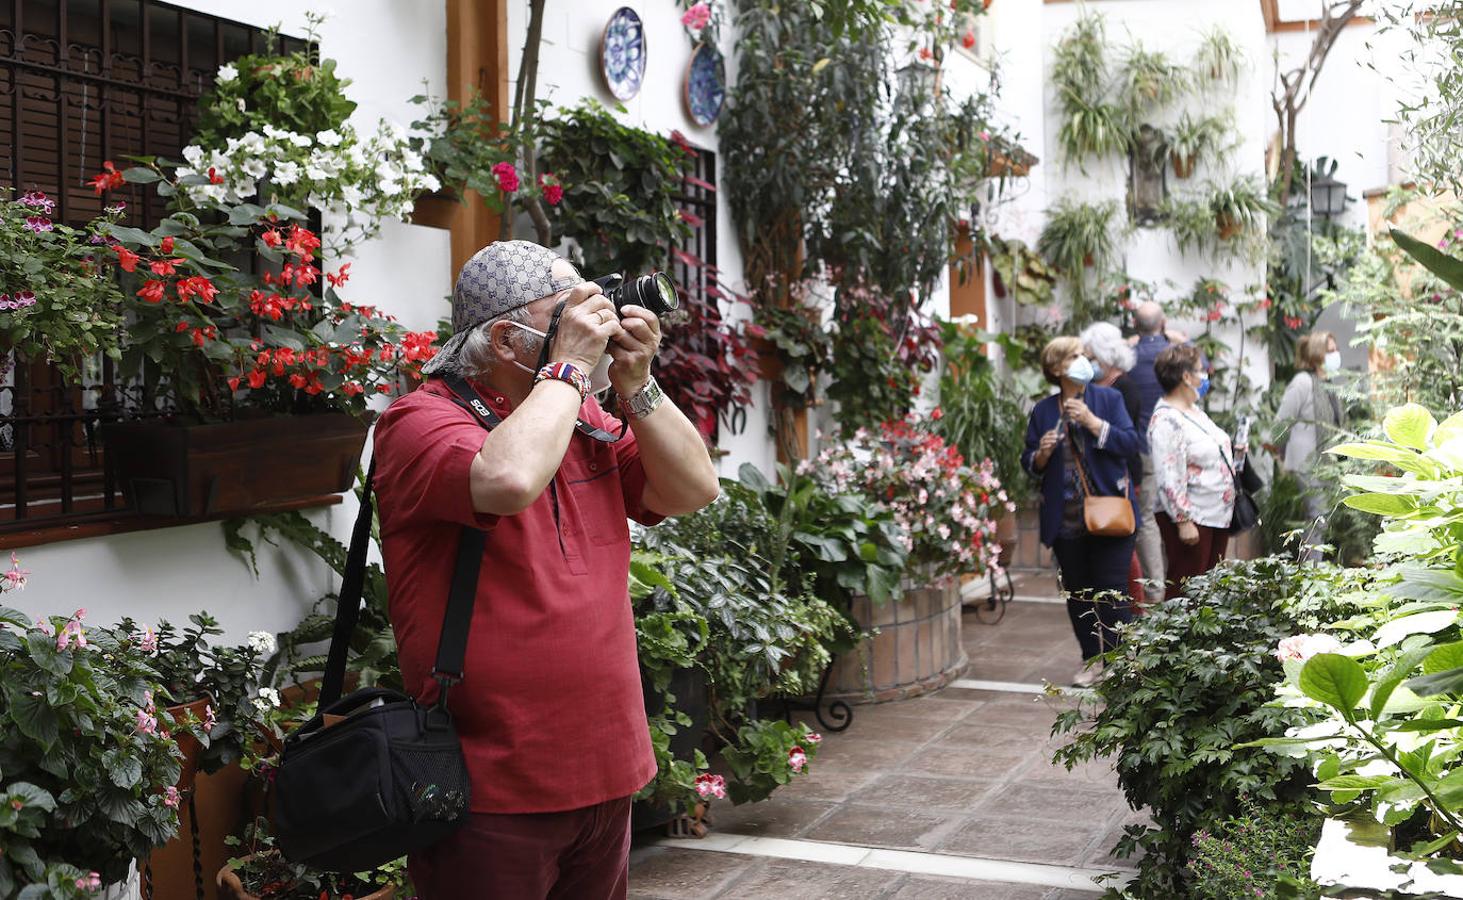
(665, 299)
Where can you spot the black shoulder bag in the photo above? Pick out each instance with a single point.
(374, 775)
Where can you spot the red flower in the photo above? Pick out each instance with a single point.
(352, 389)
(256, 378)
(181, 327)
(967, 40)
(109, 180)
(507, 177)
(197, 286)
(234, 383)
(166, 246)
(339, 278)
(164, 266)
(302, 242)
(214, 177)
(383, 388)
(553, 190)
(1293, 322)
(270, 238)
(152, 291)
(125, 258)
(297, 380)
(1266, 303)
(937, 414)
(924, 53)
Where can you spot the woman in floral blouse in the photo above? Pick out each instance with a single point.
(1193, 462)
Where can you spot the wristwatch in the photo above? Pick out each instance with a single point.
(644, 401)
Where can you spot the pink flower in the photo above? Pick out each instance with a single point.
(1304, 646)
(815, 738)
(147, 641)
(146, 722)
(507, 177)
(39, 224)
(553, 189)
(14, 580)
(92, 881)
(696, 17)
(171, 797)
(72, 633)
(708, 785)
(209, 721)
(797, 759)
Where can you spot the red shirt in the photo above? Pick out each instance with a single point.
(550, 711)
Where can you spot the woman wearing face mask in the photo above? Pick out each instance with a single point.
(1310, 414)
(1082, 430)
(1193, 461)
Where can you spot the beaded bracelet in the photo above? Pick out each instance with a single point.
(565, 372)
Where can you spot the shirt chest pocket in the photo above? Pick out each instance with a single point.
(594, 488)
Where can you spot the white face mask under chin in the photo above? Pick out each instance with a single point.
(599, 378)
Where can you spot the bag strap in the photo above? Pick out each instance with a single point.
(1222, 458)
(456, 620)
(1081, 465)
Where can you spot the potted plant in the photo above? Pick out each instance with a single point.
(1239, 207)
(465, 146)
(262, 873)
(1192, 223)
(250, 363)
(88, 766)
(1091, 126)
(1150, 80)
(1078, 235)
(1020, 272)
(1219, 58)
(56, 302)
(1191, 139)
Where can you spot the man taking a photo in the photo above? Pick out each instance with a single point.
(550, 710)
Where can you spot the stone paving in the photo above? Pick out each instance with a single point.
(960, 773)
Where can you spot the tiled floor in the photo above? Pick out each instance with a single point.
(961, 773)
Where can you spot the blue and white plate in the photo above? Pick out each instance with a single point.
(622, 53)
(705, 85)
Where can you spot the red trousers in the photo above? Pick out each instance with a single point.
(581, 854)
(1187, 560)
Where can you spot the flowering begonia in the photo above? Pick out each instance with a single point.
(1304, 646)
(697, 16)
(507, 177)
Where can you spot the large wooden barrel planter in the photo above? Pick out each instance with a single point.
(917, 648)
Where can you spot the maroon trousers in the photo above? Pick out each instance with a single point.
(581, 854)
(1186, 560)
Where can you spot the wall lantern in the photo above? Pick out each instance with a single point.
(1328, 196)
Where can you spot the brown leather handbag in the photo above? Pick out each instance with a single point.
(1104, 516)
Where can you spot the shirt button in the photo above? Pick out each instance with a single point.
(594, 467)
(498, 400)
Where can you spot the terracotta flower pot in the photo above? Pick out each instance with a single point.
(436, 210)
(230, 888)
(187, 743)
(1183, 167)
(1229, 227)
(769, 361)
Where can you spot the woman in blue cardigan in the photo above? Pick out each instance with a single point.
(1095, 419)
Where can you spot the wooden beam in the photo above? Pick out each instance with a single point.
(1270, 9)
(477, 58)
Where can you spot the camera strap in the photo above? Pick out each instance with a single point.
(467, 397)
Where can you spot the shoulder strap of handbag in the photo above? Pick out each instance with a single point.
(1222, 457)
(1082, 480)
(456, 621)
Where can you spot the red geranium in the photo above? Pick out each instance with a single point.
(152, 291)
(507, 177)
(108, 180)
(196, 286)
(125, 258)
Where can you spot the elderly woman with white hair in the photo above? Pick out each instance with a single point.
(1112, 356)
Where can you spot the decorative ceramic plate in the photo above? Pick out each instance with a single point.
(622, 53)
(705, 85)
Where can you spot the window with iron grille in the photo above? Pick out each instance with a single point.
(82, 82)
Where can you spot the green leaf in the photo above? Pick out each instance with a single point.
(1398, 671)
(1355, 782)
(1410, 425)
(1335, 680)
(1443, 658)
(1426, 725)
(140, 175)
(1449, 681)
(35, 718)
(1422, 623)
(1450, 429)
(1448, 268)
(1382, 504)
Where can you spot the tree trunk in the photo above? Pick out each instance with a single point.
(1295, 88)
(525, 102)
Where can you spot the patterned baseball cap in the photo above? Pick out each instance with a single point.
(499, 278)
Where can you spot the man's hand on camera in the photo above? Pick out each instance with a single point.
(586, 327)
(633, 350)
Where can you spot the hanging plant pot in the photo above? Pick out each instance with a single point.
(1183, 166)
(1087, 261)
(178, 470)
(1229, 226)
(769, 360)
(231, 888)
(437, 209)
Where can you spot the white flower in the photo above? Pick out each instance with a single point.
(355, 155)
(268, 699)
(239, 102)
(252, 142)
(328, 138)
(255, 168)
(301, 140)
(262, 642)
(315, 173)
(1304, 646)
(276, 133)
(226, 73)
(352, 196)
(286, 173)
(193, 154)
(390, 188)
(430, 183)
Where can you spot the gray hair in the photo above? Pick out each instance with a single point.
(1105, 342)
(474, 359)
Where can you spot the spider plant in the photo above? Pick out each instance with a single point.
(1239, 206)
(1191, 139)
(1192, 224)
(1091, 128)
(1219, 58)
(1150, 81)
(1078, 235)
(1080, 57)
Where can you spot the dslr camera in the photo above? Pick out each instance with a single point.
(655, 292)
